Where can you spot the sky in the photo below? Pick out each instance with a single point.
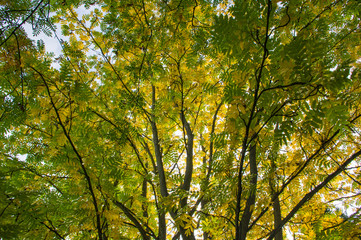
(51, 43)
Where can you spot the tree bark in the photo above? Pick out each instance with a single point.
(247, 213)
(162, 231)
(162, 227)
(277, 216)
(189, 161)
(158, 154)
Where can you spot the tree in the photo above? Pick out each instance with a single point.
(181, 120)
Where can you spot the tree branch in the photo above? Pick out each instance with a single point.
(80, 158)
(24, 21)
(309, 195)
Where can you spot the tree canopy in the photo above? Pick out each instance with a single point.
(181, 119)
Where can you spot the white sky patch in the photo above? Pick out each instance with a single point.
(178, 133)
(51, 43)
(22, 157)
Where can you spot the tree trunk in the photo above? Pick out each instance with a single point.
(277, 216)
(247, 213)
(162, 231)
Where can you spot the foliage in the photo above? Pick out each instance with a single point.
(181, 120)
